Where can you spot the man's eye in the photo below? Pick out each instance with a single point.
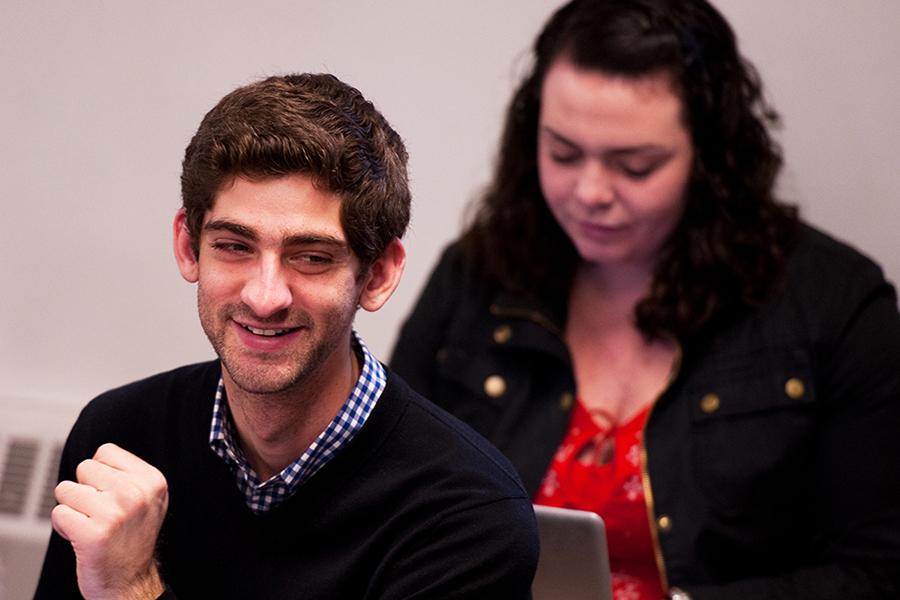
(312, 262)
(231, 247)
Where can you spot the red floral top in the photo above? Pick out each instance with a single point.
(598, 469)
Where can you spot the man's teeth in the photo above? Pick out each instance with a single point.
(266, 332)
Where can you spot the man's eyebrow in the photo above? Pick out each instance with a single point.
(299, 239)
(222, 225)
(306, 239)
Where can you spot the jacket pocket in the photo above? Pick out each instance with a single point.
(753, 427)
(473, 387)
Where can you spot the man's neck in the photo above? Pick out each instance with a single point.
(274, 430)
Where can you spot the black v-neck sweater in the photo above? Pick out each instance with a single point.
(415, 506)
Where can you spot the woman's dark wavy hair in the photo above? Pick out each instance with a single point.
(733, 236)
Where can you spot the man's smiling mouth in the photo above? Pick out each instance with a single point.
(269, 332)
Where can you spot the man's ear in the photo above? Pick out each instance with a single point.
(184, 252)
(383, 277)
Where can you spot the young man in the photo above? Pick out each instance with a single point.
(296, 465)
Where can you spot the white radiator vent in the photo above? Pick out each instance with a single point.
(28, 477)
(31, 440)
(17, 471)
(46, 500)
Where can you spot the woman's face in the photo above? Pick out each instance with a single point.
(614, 159)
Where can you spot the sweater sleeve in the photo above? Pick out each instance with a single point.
(58, 579)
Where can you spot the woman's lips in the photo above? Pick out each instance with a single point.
(597, 230)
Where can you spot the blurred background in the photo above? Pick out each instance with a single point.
(99, 100)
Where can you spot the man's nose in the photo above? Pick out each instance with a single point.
(594, 186)
(267, 291)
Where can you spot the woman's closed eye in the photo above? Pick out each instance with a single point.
(565, 158)
(638, 169)
(638, 172)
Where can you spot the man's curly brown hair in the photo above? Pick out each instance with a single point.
(306, 123)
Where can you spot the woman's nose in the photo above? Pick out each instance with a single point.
(594, 186)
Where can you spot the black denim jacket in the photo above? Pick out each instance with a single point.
(771, 462)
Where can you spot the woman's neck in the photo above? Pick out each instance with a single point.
(618, 289)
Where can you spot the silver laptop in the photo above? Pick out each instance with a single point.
(574, 561)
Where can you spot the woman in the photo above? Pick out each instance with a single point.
(638, 323)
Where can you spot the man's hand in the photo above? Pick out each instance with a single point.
(112, 518)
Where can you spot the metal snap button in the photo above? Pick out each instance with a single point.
(664, 522)
(710, 403)
(502, 334)
(494, 386)
(794, 388)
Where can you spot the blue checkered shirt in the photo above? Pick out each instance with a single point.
(265, 495)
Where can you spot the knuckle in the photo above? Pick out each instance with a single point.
(131, 498)
(82, 469)
(62, 489)
(158, 483)
(113, 517)
(104, 450)
(57, 512)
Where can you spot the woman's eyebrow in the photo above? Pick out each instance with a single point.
(646, 149)
(558, 137)
(616, 152)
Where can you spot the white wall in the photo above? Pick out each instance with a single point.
(99, 99)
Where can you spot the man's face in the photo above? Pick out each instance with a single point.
(278, 285)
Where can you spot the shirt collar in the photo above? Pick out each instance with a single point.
(261, 496)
